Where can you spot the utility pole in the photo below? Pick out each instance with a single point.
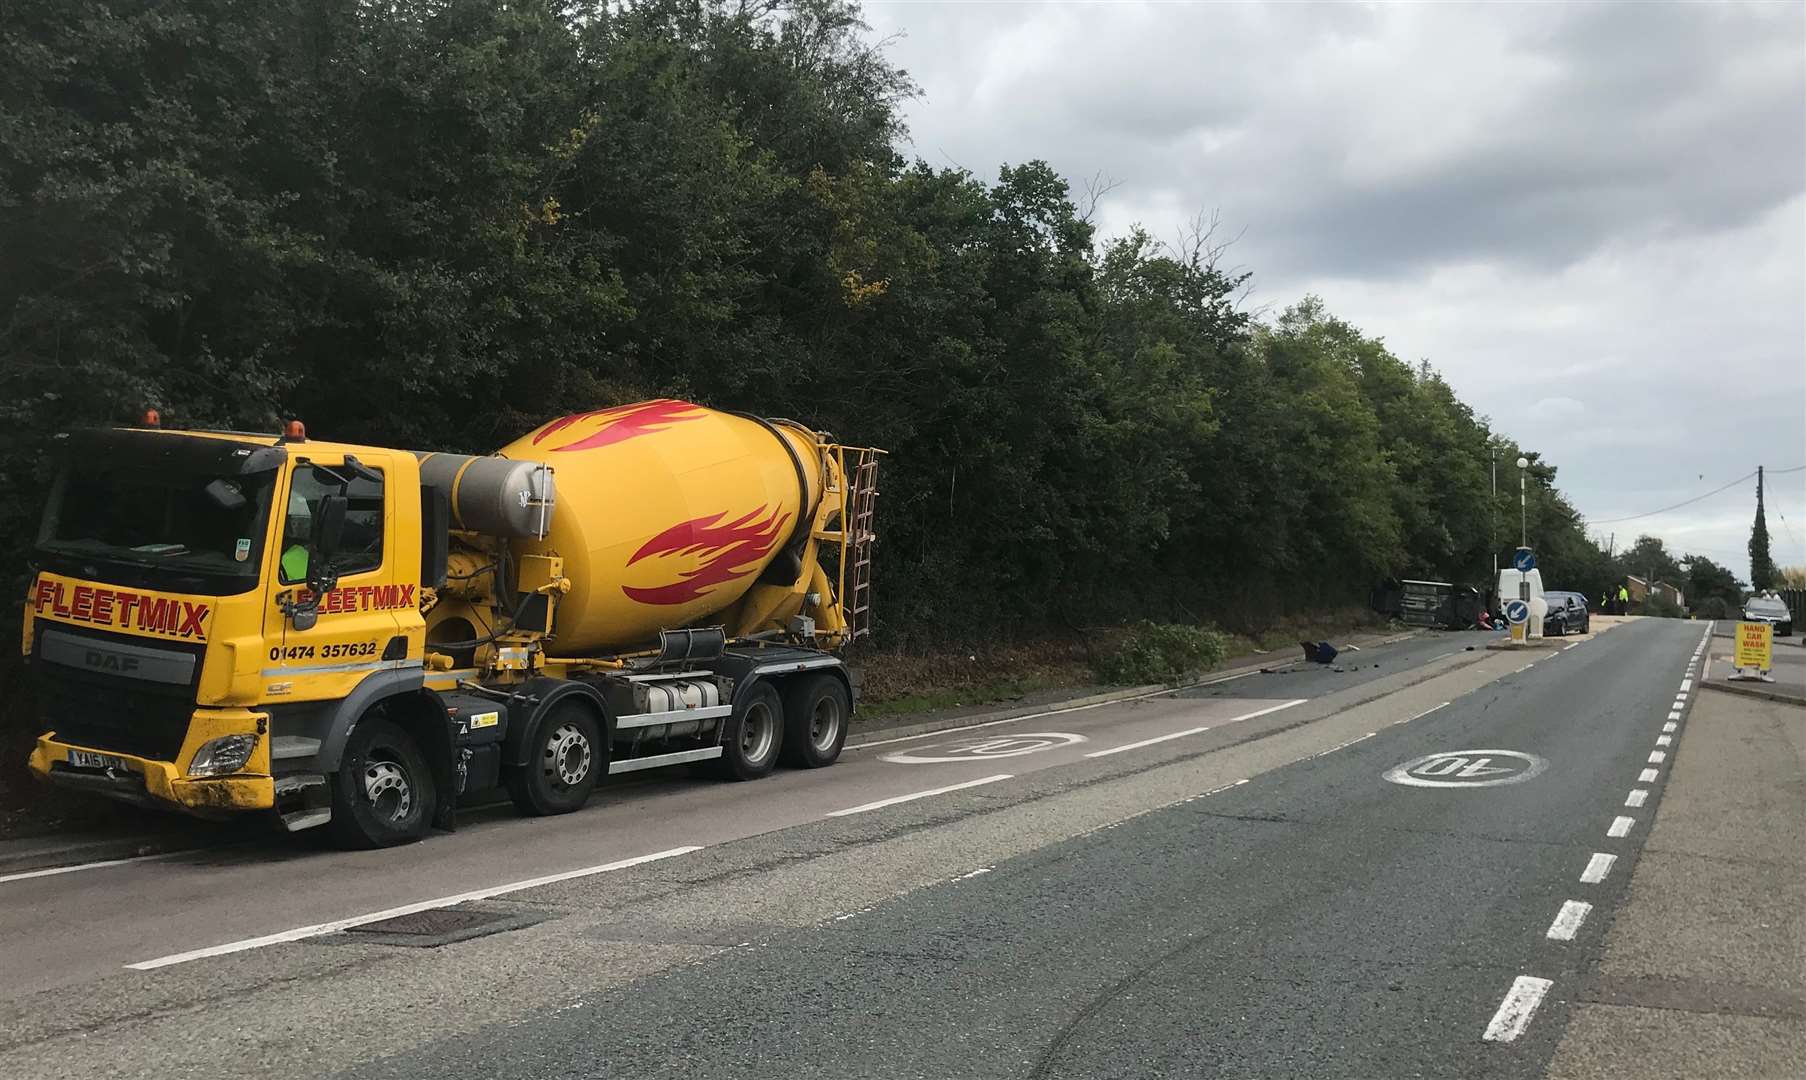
(1495, 517)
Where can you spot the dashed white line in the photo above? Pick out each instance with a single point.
(912, 796)
(1636, 798)
(1686, 685)
(1514, 1013)
(1193, 731)
(1656, 757)
(101, 865)
(1664, 740)
(1675, 715)
(335, 926)
(1647, 776)
(975, 873)
(1343, 745)
(1526, 667)
(1670, 726)
(1421, 715)
(1570, 645)
(1620, 826)
(1568, 919)
(1597, 867)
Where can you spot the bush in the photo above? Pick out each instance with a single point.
(1661, 607)
(1161, 653)
(1713, 607)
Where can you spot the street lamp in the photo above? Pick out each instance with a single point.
(1523, 519)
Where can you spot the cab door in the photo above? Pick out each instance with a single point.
(355, 624)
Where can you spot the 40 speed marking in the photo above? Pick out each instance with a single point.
(1467, 769)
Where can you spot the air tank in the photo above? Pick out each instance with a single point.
(667, 513)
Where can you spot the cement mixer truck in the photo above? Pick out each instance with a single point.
(363, 639)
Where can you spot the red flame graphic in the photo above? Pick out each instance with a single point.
(733, 549)
(622, 422)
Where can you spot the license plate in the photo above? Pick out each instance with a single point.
(87, 759)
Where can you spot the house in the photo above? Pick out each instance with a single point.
(1639, 591)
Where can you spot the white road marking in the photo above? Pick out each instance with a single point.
(1670, 726)
(1568, 919)
(1343, 745)
(1058, 712)
(337, 925)
(1656, 757)
(1597, 867)
(1526, 667)
(1514, 1013)
(102, 864)
(1620, 826)
(975, 873)
(1571, 645)
(1423, 714)
(1675, 715)
(1636, 798)
(1686, 685)
(1647, 776)
(1664, 740)
(1680, 698)
(1442, 656)
(1193, 731)
(882, 803)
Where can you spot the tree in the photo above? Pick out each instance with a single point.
(1762, 564)
(1706, 579)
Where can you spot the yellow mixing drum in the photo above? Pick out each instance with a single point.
(667, 513)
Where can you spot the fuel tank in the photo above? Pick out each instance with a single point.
(667, 513)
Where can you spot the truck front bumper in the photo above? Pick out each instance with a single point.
(144, 782)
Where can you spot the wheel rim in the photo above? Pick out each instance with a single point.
(567, 756)
(758, 731)
(824, 724)
(386, 786)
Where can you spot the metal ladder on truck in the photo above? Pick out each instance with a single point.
(856, 526)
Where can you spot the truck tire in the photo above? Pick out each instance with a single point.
(565, 754)
(382, 793)
(754, 735)
(817, 713)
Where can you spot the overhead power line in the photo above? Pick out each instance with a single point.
(1751, 475)
(1689, 502)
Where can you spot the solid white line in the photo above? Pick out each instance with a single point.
(1597, 867)
(1514, 1013)
(1686, 685)
(1670, 726)
(335, 926)
(1636, 798)
(882, 803)
(1664, 740)
(1343, 745)
(1647, 776)
(55, 870)
(1053, 712)
(1423, 714)
(1621, 826)
(1568, 919)
(1656, 757)
(1193, 731)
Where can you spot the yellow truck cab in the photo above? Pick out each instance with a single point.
(361, 637)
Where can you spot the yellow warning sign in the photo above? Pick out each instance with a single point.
(1755, 645)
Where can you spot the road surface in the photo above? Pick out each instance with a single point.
(1397, 871)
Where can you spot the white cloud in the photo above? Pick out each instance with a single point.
(1601, 208)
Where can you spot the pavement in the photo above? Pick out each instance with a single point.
(1704, 969)
(1411, 872)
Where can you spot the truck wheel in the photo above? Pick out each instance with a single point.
(753, 736)
(382, 794)
(564, 757)
(816, 717)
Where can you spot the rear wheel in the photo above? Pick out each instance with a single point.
(754, 735)
(382, 794)
(564, 757)
(817, 714)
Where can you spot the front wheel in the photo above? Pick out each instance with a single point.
(564, 757)
(383, 793)
(817, 713)
(754, 734)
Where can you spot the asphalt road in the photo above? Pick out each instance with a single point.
(1175, 886)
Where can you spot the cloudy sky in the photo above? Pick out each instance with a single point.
(1590, 218)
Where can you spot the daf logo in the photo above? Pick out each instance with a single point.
(106, 661)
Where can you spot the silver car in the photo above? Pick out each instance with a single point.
(1769, 608)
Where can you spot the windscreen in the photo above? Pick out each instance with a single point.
(164, 528)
